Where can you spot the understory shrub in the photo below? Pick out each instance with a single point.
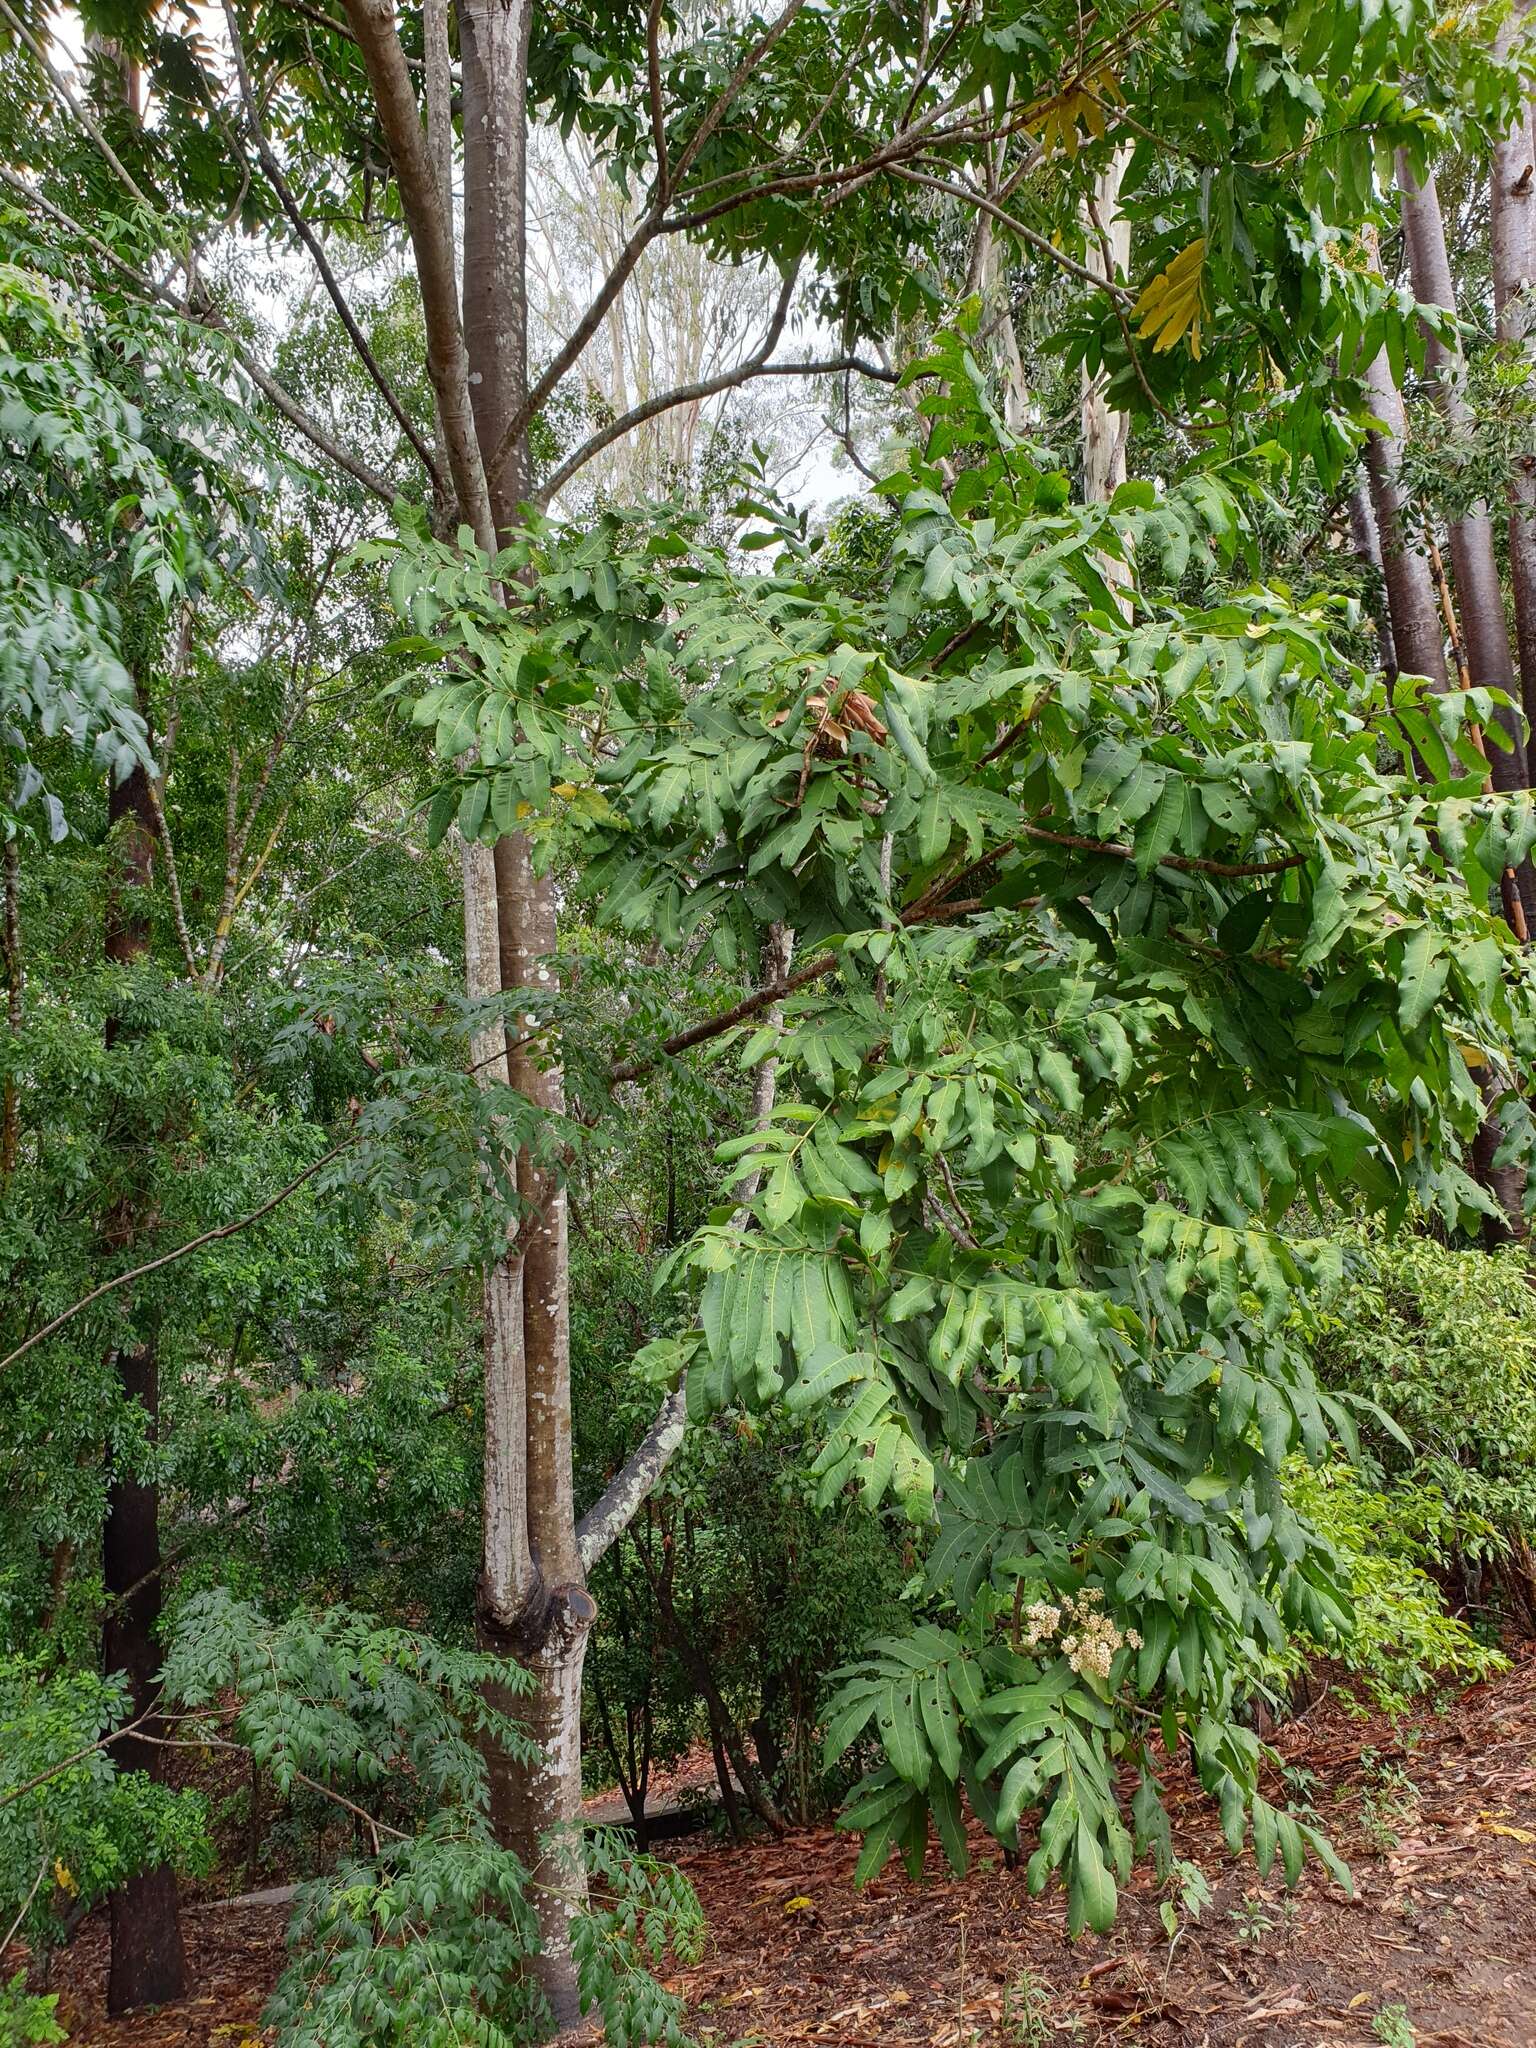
(1443, 1342)
(1404, 1643)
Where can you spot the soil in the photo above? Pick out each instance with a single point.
(1436, 1815)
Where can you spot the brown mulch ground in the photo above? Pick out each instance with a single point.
(1443, 1926)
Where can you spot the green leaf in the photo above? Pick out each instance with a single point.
(1424, 973)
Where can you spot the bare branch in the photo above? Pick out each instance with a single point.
(626, 1493)
(311, 241)
(645, 233)
(688, 394)
(755, 365)
(169, 1258)
(1013, 224)
(206, 315)
(575, 342)
(61, 87)
(602, 1525)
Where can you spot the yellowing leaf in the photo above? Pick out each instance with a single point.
(1497, 1827)
(1056, 120)
(1172, 305)
(64, 1877)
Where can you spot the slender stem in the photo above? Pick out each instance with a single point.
(311, 241)
(61, 87)
(169, 1258)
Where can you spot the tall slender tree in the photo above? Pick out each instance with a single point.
(1512, 214)
(1479, 588)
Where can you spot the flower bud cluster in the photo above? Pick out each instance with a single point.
(1079, 1627)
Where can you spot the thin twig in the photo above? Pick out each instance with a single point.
(170, 1258)
(311, 241)
(206, 316)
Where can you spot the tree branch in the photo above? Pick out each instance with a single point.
(575, 342)
(311, 241)
(930, 905)
(621, 1500)
(645, 233)
(1013, 224)
(755, 365)
(207, 316)
(1187, 864)
(61, 87)
(373, 24)
(170, 1258)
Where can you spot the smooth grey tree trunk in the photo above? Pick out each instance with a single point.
(532, 1602)
(1512, 228)
(1106, 433)
(1418, 635)
(1474, 564)
(1367, 548)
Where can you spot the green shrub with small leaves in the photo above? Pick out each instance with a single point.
(1443, 1341)
(72, 1827)
(1404, 1643)
(27, 2017)
(426, 1940)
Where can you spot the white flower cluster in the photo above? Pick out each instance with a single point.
(1086, 1636)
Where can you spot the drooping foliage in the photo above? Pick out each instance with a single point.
(1137, 923)
(1187, 944)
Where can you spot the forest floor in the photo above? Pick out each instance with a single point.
(1436, 1815)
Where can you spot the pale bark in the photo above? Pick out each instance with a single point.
(1367, 548)
(1107, 433)
(542, 1614)
(621, 1500)
(1512, 195)
(1474, 567)
(506, 1564)
(1417, 634)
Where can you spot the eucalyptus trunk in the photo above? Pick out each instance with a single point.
(1512, 204)
(1483, 633)
(1474, 564)
(1106, 432)
(532, 1602)
(1417, 632)
(1367, 550)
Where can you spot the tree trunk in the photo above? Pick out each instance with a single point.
(1474, 568)
(15, 981)
(1106, 433)
(540, 1612)
(531, 1602)
(148, 1961)
(1410, 590)
(1417, 634)
(1512, 198)
(1367, 548)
